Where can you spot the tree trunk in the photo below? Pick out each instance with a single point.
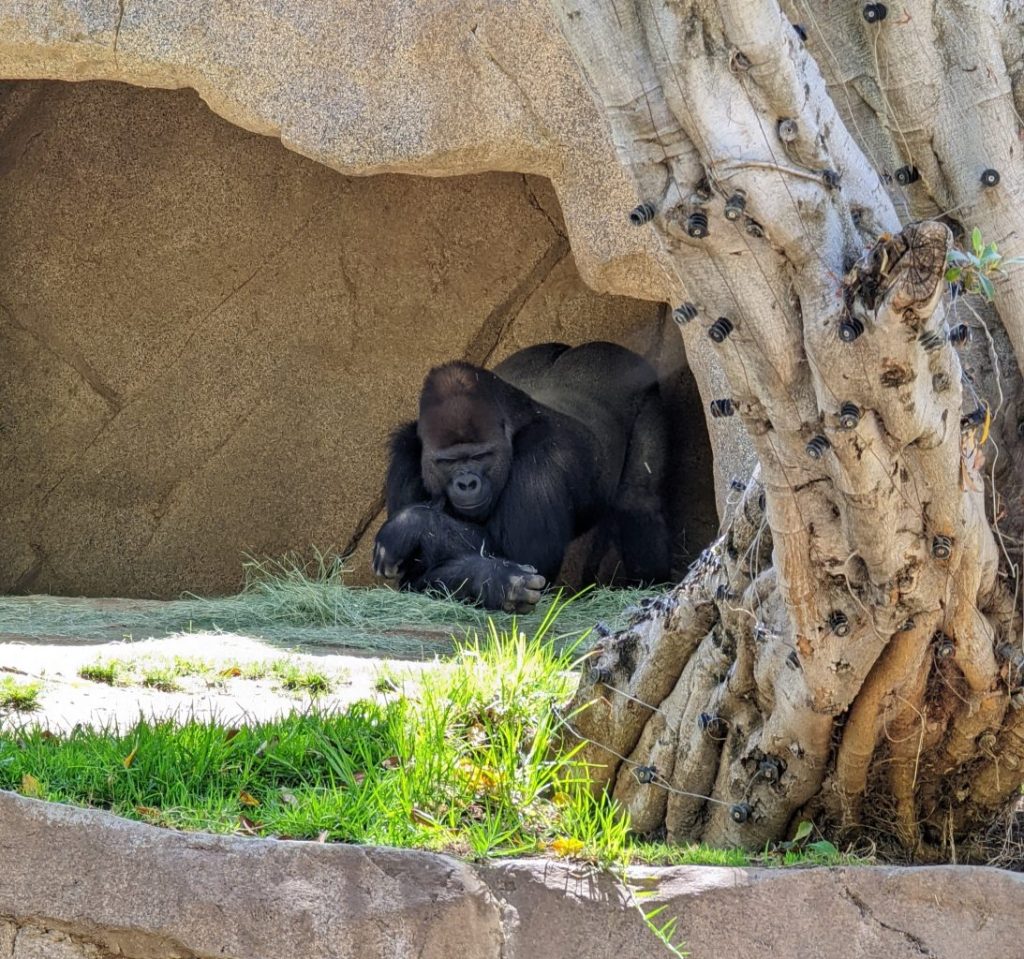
(850, 648)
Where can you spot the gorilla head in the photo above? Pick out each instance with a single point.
(466, 433)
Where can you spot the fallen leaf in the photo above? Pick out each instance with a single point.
(565, 846)
(247, 799)
(480, 778)
(803, 830)
(561, 799)
(422, 818)
(230, 734)
(322, 837)
(249, 826)
(30, 786)
(288, 798)
(392, 762)
(359, 778)
(130, 758)
(148, 812)
(230, 673)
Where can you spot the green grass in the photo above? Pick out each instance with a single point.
(165, 674)
(19, 697)
(464, 763)
(291, 603)
(156, 673)
(463, 760)
(296, 677)
(162, 677)
(112, 672)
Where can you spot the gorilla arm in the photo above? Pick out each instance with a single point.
(547, 493)
(428, 549)
(404, 483)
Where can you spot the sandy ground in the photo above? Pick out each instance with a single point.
(68, 700)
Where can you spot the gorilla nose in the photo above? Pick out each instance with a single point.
(467, 484)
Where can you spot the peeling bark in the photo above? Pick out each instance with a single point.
(846, 638)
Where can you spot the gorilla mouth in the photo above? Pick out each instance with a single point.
(472, 509)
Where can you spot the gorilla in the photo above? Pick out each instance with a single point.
(503, 469)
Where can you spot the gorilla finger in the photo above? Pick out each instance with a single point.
(382, 565)
(537, 582)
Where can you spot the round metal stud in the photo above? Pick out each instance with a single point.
(642, 214)
(850, 328)
(683, 313)
(838, 623)
(906, 175)
(740, 812)
(735, 205)
(817, 447)
(697, 225)
(720, 329)
(849, 416)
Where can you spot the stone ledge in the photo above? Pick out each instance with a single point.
(79, 883)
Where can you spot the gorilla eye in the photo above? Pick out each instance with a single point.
(480, 456)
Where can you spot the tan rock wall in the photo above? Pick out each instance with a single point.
(82, 884)
(205, 338)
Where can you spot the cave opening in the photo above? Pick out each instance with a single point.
(207, 338)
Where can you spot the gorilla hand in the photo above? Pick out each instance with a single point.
(512, 587)
(398, 540)
(426, 534)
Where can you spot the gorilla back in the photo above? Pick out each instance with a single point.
(502, 470)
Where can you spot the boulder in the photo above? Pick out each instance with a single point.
(82, 884)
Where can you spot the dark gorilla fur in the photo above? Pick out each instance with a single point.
(503, 469)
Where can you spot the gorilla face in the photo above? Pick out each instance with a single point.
(467, 452)
(470, 475)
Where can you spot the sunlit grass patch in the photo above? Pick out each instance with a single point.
(19, 697)
(297, 677)
(112, 672)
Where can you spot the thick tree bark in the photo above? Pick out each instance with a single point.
(850, 648)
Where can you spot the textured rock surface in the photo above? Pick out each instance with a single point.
(396, 86)
(393, 87)
(80, 884)
(207, 337)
